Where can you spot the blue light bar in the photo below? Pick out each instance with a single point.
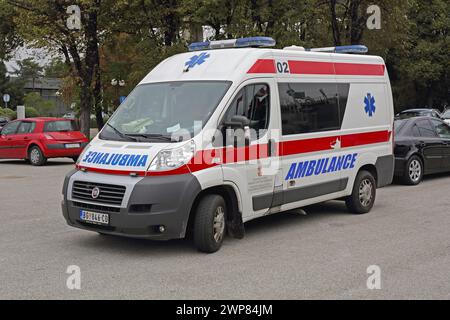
(252, 42)
(342, 49)
(255, 42)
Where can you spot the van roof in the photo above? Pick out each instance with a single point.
(234, 64)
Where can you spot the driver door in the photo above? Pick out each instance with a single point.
(251, 163)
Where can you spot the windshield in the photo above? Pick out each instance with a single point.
(60, 126)
(155, 111)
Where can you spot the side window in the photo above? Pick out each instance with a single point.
(253, 102)
(442, 129)
(312, 107)
(415, 131)
(10, 128)
(26, 127)
(425, 129)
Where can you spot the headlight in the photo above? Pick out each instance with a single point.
(170, 159)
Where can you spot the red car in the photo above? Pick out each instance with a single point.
(37, 139)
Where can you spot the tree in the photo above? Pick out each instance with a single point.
(13, 87)
(42, 106)
(9, 39)
(44, 24)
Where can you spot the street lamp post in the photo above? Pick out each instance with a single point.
(117, 84)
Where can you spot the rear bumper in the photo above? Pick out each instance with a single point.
(56, 150)
(149, 202)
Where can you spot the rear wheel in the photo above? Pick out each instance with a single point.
(363, 195)
(36, 156)
(413, 171)
(209, 224)
(75, 159)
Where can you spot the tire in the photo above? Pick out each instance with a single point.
(36, 156)
(75, 159)
(209, 223)
(413, 173)
(363, 195)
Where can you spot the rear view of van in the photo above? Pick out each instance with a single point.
(232, 131)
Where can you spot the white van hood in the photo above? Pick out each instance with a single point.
(120, 156)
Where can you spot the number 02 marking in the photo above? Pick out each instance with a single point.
(283, 67)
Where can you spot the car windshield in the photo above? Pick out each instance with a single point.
(446, 114)
(60, 126)
(156, 111)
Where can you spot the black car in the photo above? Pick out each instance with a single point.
(422, 146)
(410, 113)
(3, 121)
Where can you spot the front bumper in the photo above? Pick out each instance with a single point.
(149, 202)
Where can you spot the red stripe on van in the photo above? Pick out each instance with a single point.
(320, 68)
(263, 66)
(206, 159)
(359, 69)
(359, 139)
(109, 171)
(311, 67)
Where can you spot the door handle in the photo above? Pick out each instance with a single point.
(271, 144)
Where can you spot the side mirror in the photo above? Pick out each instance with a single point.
(238, 122)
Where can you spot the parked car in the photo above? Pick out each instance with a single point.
(3, 122)
(37, 139)
(422, 146)
(410, 113)
(446, 116)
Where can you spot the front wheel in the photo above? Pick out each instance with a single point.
(209, 224)
(363, 195)
(36, 156)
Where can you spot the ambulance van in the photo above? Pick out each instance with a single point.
(235, 130)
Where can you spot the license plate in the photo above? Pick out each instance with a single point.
(73, 145)
(94, 217)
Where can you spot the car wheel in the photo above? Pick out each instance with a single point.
(413, 174)
(363, 194)
(75, 159)
(36, 156)
(209, 224)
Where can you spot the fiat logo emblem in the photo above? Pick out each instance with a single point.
(95, 193)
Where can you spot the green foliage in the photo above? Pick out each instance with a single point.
(41, 106)
(14, 87)
(9, 113)
(31, 112)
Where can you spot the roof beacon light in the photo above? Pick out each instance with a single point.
(252, 42)
(342, 49)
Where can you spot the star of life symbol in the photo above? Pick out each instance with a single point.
(197, 60)
(369, 102)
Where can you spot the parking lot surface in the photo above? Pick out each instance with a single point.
(323, 255)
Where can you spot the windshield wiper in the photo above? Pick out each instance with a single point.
(123, 135)
(150, 136)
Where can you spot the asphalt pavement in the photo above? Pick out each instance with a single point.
(323, 255)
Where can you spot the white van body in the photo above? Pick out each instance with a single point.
(310, 160)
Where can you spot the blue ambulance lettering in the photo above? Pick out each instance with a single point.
(116, 159)
(321, 166)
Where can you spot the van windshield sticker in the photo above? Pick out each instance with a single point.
(321, 166)
(116, 159)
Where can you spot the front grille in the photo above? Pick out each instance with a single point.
(109, 194)
(95, 207)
